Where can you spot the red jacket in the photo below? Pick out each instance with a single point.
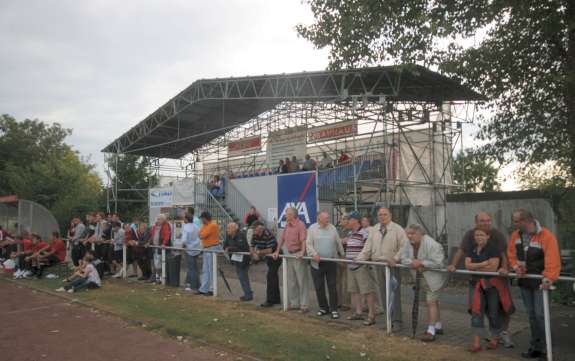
(502, 289)
(165, 234)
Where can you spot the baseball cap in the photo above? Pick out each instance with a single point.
(354, 215)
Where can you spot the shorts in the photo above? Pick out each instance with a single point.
(430, 295)
(118, 256)
(360, 281)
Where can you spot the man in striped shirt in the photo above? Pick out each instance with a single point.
(360, 281)
(264, 243)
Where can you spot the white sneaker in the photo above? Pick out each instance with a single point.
(71, 290)
(120, 274)
(61, 289)
(188, 289)
(27, 274)
(507, 341)
(17, 274)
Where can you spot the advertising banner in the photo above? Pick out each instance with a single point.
(333, 131)
(245, 146)
(161, 197)
(286, 143)
(299, 191)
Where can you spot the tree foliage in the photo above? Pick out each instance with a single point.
(519, 54)
(36, 164)
(133, 177)
(475, 172)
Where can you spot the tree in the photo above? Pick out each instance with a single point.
(524, 60)
(37, 165)
(475, 172)
(133, 180)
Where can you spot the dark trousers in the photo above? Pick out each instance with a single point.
(192, 275)
(242, 270)
(80, 283)
(490, 307)
(273, 282)
(142, 255)
(533, 300)
(78, 252)
(325, 273)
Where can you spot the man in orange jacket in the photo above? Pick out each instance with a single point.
(210, 238)
(533, 249)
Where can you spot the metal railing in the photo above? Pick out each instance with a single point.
(388, 312)
(206, 200)
(236, 201)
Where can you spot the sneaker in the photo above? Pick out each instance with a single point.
(120, 274)
(246, 299)
(506, 340)
(27, 274)
(61, 289)
(335, 315)
(71, 290)
(531, 353)
(188, 289)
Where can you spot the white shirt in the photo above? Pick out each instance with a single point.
(191, 238)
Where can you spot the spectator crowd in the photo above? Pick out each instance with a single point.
(96, 247)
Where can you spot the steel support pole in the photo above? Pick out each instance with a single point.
(215, 273)
(547, 319)
(124, 259)
(387, 308)
(285, 285)
(163, 277)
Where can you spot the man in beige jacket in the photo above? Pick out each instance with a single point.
(384, 243)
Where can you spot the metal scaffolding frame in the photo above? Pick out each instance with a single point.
(188, 136)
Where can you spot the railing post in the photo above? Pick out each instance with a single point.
(124, 259)
(547, 319)
(215, 273)
(387, 308)
(285, 284)
(163, 277)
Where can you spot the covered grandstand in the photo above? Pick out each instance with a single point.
(399, 124)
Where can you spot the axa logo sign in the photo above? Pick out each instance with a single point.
(302, 211)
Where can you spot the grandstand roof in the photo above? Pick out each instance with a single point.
(208, 108)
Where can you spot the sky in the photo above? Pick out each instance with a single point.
(99, 67)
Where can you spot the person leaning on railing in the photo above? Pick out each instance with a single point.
(383, 244)
(488, 296)
(210, 237)
(533, 249)
(264, 243)
(236, 242)
(423, 254)
(324, 242)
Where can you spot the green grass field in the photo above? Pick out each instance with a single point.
(248, 329)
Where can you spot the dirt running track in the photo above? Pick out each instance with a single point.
(35, 326)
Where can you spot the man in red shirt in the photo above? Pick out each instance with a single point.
(53, 254)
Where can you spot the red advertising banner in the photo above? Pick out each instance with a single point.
(333, 131)
(244, 146)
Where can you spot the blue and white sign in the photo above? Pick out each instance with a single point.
(161, 197)
(299, 191)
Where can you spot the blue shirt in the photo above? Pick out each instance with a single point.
(191, 238)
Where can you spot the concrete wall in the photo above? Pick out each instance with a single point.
(261, 192)
(460, 215)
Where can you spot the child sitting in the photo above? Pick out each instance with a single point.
(85, 277)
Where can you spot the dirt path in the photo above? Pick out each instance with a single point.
(35, 326)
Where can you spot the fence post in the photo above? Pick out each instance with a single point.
(285, 284)
(547, 319)
(124, 259)
(215, 273)
(163, 277)
(387, 308)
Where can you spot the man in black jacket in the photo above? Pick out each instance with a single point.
(236, 242)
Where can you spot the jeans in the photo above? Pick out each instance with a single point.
(273, 281)
(192, 276)
(326, 272)
(207, 270)
(533, 300)
(242, 270)
(490, 307)
(80, 283)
